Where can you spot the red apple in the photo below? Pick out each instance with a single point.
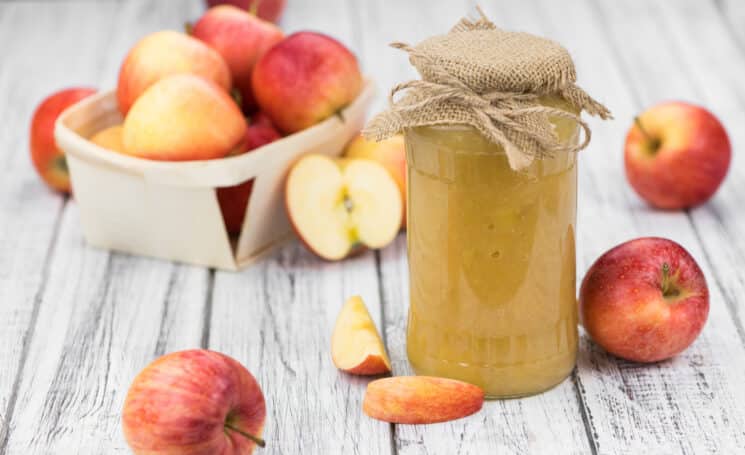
(234, 199)
(305, 79)
(183, 117)
(195, 402)
(269, 10)
(644, 300)
(163, 54)
(48, 159)
(677, 154)
(241, 39)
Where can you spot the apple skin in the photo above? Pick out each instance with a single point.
(305, 79)
(183, 117)
(181, 403)
(624, 306)
(269, 10)
(162, 54)
(110, 138)
(48, 159)
(391, 153)
(689, 164)
(421, 399)
(241, 39)
(233, 200)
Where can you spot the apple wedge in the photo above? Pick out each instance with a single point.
(421, 399)
(356, 346)
(337, 206)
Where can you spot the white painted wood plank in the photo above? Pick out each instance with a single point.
(547, 423)
(687, 404)
(32, 67)
(732, 14)
(102, 317)
(277, 317)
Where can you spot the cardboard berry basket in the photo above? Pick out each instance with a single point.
(168, 209)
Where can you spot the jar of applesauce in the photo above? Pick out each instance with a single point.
(492, 133)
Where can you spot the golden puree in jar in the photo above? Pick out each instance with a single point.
(492, 260)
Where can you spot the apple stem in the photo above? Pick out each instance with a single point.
(668, 289)
(259, 442)
(655, 142)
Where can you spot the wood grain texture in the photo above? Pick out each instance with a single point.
(681, 405)
(101, 317)
(277, 317)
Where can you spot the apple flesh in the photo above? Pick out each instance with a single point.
(391, 153)
(183, 117)
(241, 39)
(337, 206)
(163, 54)
(356, 345)
(421, 399)
(195, 402)
(269, 10)
(676, 155)
(110, 138)
(644, 300)
(305, 79)
(233, 200)
(49, 161)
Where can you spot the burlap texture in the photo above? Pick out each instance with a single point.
(491, 79)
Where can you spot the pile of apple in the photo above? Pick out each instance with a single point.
(235, 82)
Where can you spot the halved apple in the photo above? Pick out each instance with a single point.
(356, 346)
(336, 206)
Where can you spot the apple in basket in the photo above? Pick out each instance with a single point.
(269, 10)
(49, 161)
(194, 402)
(241, 39)
(234, 199)
(183, 117)
(305, 79)
(163, 54)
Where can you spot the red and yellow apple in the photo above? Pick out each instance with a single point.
(233, 200)
(391, 153)
(110, 138)
(339, 206)
(241, 39)
(305, 79)
(644, 300)
(195, 402)
(676, 155)
(163, 54)
(47, 158)
(421, 399)
(269, 10)
(356, 345)
(183, 117)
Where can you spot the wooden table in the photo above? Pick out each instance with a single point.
(77, 323)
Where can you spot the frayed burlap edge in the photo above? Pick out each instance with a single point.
(516, 121)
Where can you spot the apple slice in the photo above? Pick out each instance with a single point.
(356, 346)
(337, 206)
(421, 399)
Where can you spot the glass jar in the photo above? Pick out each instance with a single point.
(492, 260)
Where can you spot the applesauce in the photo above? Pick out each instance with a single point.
(492, 260)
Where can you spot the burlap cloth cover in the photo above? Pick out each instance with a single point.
(490, 79)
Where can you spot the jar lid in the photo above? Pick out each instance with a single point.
(491, 79)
